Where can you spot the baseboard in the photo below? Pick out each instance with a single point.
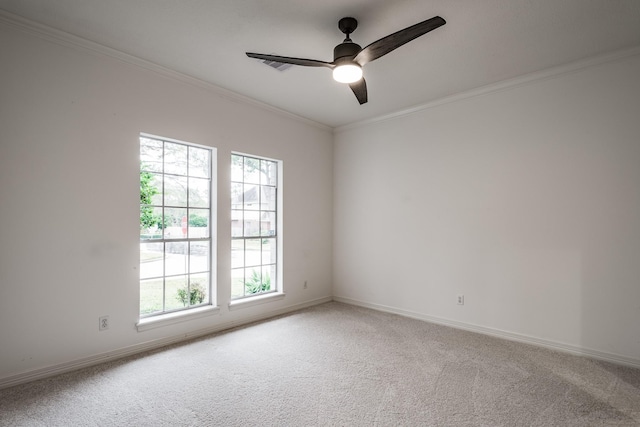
(511, 336)
(49, 371)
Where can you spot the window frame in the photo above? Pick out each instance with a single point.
(277, 290)
(164, 316)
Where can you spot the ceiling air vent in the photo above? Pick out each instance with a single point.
(277, 65)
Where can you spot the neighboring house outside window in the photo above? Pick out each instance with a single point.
(254, 226)
(176, 219)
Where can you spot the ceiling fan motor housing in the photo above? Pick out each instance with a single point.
(346, 50)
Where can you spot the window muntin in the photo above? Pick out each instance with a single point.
(254, 226)
(175, 225)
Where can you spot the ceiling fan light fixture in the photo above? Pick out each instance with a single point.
(347, 73)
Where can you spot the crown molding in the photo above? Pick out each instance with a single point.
(524, 80)
(69, 40)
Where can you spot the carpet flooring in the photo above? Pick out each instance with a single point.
(335, 365)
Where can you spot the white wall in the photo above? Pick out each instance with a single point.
(69, 165)
(526, 200)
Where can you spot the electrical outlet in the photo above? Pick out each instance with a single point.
(305, 284)
(103, 323)
(460, 299)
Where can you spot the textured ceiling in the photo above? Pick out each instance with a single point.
(483, 42)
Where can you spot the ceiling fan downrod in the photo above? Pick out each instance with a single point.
(347, 48)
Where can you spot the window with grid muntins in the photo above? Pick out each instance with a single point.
(175, 225)
(254, 230)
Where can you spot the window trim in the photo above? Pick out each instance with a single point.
(173, 317)
(278, 292)
(257, 299)
(151, 321)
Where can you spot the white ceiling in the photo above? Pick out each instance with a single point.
(483, 42)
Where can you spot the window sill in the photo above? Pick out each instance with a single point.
(177, 317)
(251, 301)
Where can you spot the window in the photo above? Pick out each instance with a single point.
(175, 225)
(254, 229)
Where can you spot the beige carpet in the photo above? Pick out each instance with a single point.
(336, 365)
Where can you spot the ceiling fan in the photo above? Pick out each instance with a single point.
(349, 57)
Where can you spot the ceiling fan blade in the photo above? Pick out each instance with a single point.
(393, 41)
(288, 60)
(359, 89)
